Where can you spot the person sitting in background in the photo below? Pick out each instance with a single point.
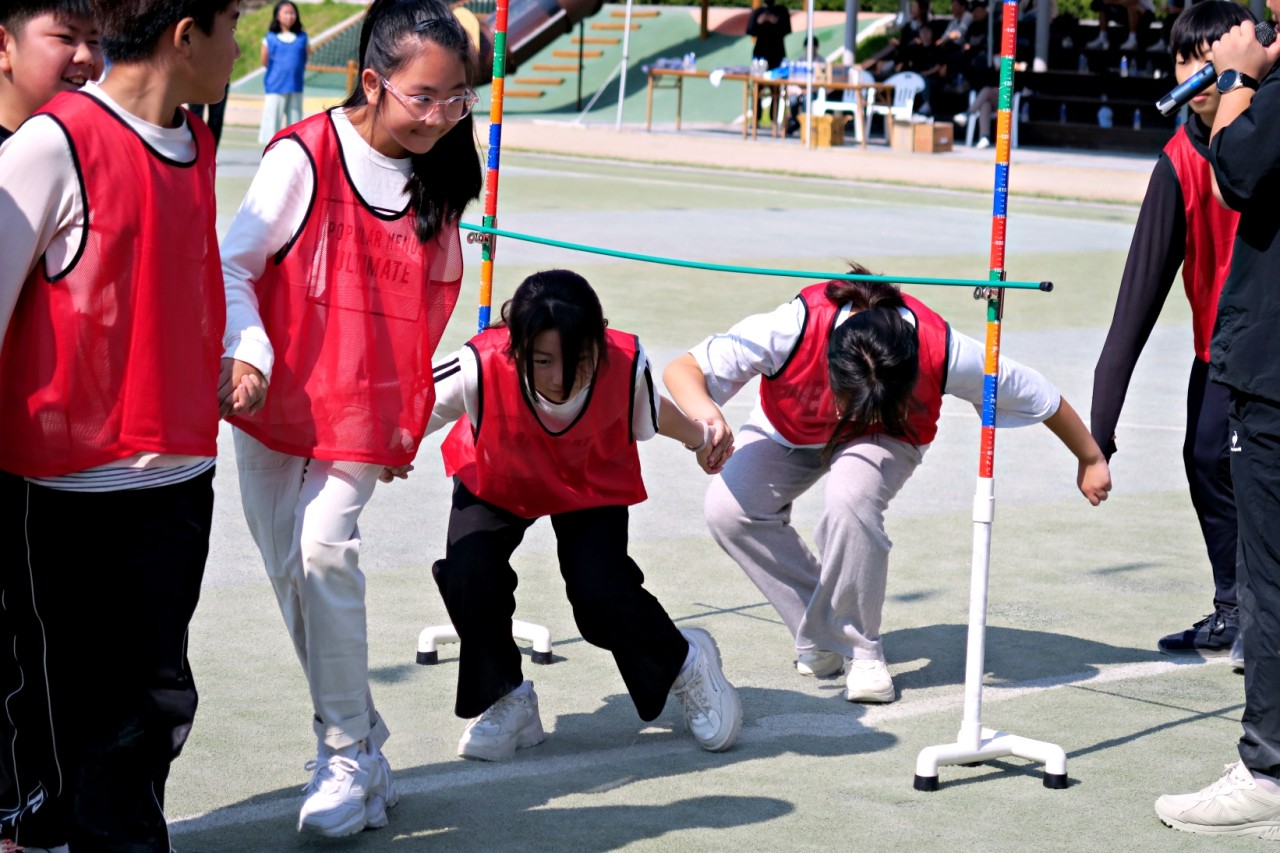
(882, 64)
(924, 56)
(1138, 16)
(795, 92)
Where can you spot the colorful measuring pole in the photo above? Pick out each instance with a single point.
(490, 219)
(984, 499)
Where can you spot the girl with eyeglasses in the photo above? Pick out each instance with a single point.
(852, 379)
(342, 269)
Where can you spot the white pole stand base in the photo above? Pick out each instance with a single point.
(994, 744)
(436, 635)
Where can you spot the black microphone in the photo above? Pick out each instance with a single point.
(1204, 78)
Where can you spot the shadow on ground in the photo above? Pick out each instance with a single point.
(558, 795)
(1013, 656)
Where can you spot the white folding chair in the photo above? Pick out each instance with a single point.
(906, 85)
(848, 100)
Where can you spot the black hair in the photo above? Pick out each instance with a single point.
(16, 14)
(275, 27)
(447, 177)
(873, 361)
(559, 300)
(131, 29)
(1203, 24)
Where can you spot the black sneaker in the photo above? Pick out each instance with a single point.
(1210, 637)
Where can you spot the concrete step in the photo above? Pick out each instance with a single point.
(635, 13)
(595, 40)
(573, 54)
(540, 81)
(609, 25)
(523, 93)
(557, 66)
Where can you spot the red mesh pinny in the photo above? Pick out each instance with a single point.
(354, 308)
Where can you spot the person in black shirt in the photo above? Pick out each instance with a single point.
(1181, 224)
(770, 24)
(1245, 351)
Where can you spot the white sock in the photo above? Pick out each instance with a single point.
(1268, 784)
(687, 669)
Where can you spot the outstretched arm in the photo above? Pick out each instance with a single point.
(683, 378)
(1094, 476)
(696, 435)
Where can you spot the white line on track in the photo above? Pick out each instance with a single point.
(765, 728)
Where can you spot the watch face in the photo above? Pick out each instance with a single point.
(1228, 80)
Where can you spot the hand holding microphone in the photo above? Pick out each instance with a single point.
(1265, 35)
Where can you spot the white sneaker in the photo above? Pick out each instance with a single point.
(982, 143)
(1100, 43)
(1159, 47)
(335, 797)
(819, 664)
(712, 710)
(1131, 43)
(1234, 805)
(869, 681)
(509, 724)
(382, 792)
(1237, 653)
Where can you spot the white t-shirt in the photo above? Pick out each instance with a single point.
(457, 384)
(762, 343)
(43, 215)
(275, 209)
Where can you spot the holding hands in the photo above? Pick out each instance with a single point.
(242, 389)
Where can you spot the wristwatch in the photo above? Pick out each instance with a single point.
(1231, 79)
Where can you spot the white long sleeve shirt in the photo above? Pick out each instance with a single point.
(761, 344)
(275, 209)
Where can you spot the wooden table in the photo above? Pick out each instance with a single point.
(677, 77)
(858, 107)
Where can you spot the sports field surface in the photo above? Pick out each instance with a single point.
(1079, 595)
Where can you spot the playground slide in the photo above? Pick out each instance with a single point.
(531, 26)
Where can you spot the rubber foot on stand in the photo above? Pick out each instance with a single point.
(973, 764)
(428, 658)
(1057, 781)
(926, 783)
(540, 657)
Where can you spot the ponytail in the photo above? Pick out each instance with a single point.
(448, 177)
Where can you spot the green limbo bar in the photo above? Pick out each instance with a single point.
(1044, 286)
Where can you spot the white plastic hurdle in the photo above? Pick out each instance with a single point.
(436, 635)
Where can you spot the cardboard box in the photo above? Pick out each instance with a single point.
(902, 137)
(829, 129)
(934, 138)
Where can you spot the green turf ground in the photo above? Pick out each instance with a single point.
(1078, 595)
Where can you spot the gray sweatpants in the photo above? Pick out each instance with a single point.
(832, 602)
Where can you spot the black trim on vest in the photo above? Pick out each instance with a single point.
(475, 426)
(804, 325)
(528, 401)
(377, 212)
(84, 204)
(946, 360)
(631, 400)
(279, 256)
(186, 117)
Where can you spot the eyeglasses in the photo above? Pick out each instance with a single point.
(420, 107)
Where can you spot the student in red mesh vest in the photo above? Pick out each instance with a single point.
(1182, 225)
(549, 406)
(853, 375)
(111, 319)
(342, 269)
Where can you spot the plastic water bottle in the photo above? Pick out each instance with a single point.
(1083, 65)
(1062, 114)
(1137, 119)
(1105, 116)
(1124, 66)
(690, 61)
(1025, 115)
